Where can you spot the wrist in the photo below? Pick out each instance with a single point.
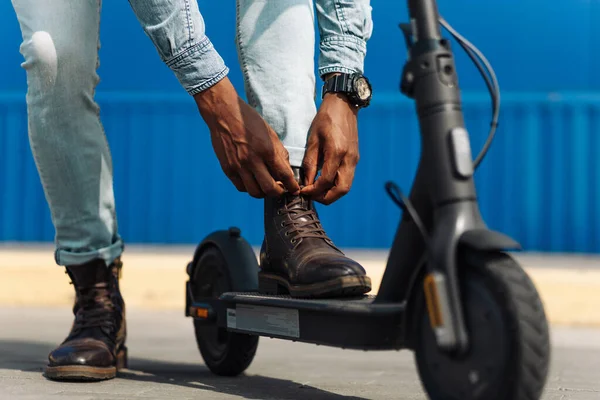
(334, 97)
(355, 88)
(330, 98)
(220, 93)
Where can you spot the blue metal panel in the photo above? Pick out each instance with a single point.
(532, 44)
(540, 182)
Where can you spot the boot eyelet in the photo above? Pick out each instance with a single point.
(278, 212)
(283, 224)
(294, 241)
(287, 234)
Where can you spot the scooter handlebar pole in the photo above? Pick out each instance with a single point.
(424, 14)
(444, 182)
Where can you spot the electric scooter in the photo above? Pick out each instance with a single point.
(450, 292)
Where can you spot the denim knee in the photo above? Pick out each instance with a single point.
(58, 67)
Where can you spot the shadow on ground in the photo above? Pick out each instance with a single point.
(31, 357)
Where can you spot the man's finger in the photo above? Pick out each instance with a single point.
(252, 187)
(283, 171)
(328, 174)
(343, 183)
(237, 182)
(266, 182)
(309, 164)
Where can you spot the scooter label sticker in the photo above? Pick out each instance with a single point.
(231, 319)
(267, 320)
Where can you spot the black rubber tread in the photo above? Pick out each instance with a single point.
(532, 337)
(528, 364)
(240, 353)
(240, 349)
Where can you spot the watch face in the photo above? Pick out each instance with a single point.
(363, 89)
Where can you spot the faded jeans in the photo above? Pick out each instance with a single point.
(60, 47)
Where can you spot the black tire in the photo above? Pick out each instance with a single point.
(225, 353)
(509, 355)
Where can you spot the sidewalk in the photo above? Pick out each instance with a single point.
(164, 363)
(154, 278)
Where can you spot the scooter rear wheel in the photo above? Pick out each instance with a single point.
(509, 352)
(225, 353)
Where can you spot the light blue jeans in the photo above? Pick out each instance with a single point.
(275, 41)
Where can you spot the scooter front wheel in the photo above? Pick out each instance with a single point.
(225, 353)
(509, 346)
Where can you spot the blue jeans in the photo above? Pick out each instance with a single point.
(60, 48)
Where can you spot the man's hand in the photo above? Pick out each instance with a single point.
(249, 151)
(332, 143)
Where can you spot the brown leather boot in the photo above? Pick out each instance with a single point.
(297, 256)
(95, 348)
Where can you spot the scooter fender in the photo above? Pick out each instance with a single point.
(242, 265)
(487, 240)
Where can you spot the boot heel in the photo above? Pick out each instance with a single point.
(270, 286)
(122, 361)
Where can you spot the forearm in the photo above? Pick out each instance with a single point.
(345, 27)
(176, 28)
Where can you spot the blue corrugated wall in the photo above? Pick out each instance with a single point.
(539, 183)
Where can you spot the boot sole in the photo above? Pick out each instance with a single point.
(86, 373)
(345, 286)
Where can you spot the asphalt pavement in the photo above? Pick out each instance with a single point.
(165, 364)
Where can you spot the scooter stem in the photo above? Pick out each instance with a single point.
(443, 192)
(424, 13)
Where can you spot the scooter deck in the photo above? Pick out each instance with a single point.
(356, 323)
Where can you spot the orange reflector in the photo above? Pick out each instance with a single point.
(202, 312)
(433, 301)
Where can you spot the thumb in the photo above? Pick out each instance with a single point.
(309, 164)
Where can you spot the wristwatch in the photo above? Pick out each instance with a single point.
(355, 86)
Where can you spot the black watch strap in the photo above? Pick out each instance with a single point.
(337, 84)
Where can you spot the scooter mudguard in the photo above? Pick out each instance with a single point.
(487, 240)
(242, 265)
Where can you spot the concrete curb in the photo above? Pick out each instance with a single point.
(154, 278)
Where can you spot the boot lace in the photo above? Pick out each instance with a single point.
(94, 308)
(303, 222)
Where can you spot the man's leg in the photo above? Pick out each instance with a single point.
(276, 45)
(276, 42)
(60, 47)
